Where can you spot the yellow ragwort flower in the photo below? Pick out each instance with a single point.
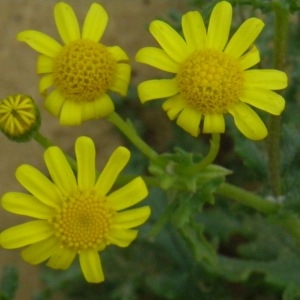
(211, 74)
(82, 71)
(75, 215)
(19, 117)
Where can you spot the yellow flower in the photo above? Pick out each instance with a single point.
(211, 74)
(83, 70)
(19, 117)
(75, 215)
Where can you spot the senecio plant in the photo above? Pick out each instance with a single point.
(214, 227)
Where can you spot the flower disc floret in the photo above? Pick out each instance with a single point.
(83, 71)
(210, 81)
(84, 221)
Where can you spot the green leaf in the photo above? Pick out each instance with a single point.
(174, 171)
(9, 283)
(201, 248)
(291, 292)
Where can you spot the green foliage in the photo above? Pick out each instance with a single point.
(9, 283)
(175, 172)
(265, 5)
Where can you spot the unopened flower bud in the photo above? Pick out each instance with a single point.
(19, 117)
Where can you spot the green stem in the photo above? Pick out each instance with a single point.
(247, 198)
(209, 158)
(42, 140)
(46, 143)
(280, 41)
(128, 130)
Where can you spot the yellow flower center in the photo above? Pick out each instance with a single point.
(18, 115)
(84, 221)
(210, 81)
(83, 71)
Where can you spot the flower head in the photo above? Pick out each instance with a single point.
(19, 117)
(75, 214)
(81, 71)
(212, 75)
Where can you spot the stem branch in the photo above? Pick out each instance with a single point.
(210, 157)
(128, 130)
(247, 198)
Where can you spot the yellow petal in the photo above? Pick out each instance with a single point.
(122, 237)
(189, 120)
(214, 123)
(173, 106)
(170, 40)
(250, 58)
(219, 26)
(90, 264)
(60, 170)
(128, 195)
(25, 234)
(118, 54)
(121, 79)
(266, 100)
(54, 102)
(266, 79)
(39, 185)
(131, 218)
(244, 37)
(70, 114)
(27, 205)
(194, 30)
(40, 42)
(44, 64)
(85, 155)
(40, 251)
(248, 122)
(112, 169)
(156, 89)
(104, 106)
(45, 83)
(101, 107)
(62, 258)
(95, 23)
(66, 22)
(157, 58)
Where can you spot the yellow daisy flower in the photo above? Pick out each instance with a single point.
(82, 70)
(19, 117)
(75, 215)
(212, 75)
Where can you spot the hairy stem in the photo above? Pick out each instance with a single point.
(128, 130)
(247, 198)
(280, 41)
(209, 158)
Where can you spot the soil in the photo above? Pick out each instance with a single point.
(127, 28)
